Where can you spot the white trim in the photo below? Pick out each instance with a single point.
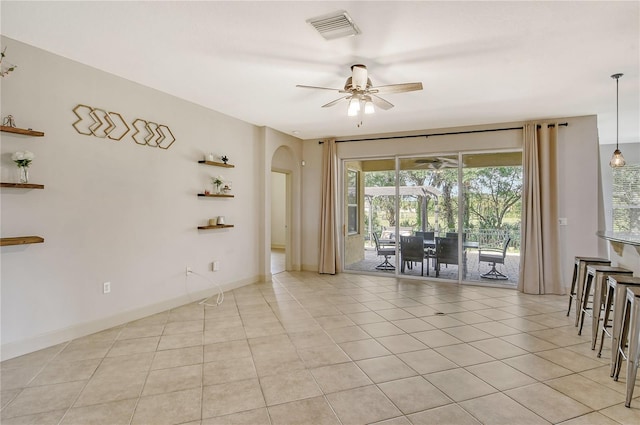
(49, 339)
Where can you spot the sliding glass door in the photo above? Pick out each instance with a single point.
(491, 213)
(370, 244)
(428, 189)
(453, 217)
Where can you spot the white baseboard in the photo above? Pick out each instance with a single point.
(49, 339)
(310, 267)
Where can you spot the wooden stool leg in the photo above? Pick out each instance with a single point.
(634, 352)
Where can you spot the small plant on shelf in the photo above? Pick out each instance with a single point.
(217, 182)
(23, 160)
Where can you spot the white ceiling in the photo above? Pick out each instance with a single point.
(479, 62)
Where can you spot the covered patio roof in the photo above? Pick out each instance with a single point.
(404, 190)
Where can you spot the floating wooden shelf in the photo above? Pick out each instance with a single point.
(217, 164)
(20, 240)
(22, 131)
(217, 226)
(22, 185)
(216, 195)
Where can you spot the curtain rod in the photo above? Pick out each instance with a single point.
(564, 124)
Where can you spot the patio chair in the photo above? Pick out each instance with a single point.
(386, 252)
(447, 253)
(429, 248)
(455, 235)
(412, 250)
(494, 256)
(429, 236)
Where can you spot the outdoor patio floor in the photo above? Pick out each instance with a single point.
(474, 270)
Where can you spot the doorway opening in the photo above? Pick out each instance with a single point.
(279, 221)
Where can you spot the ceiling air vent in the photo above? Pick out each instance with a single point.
(335, 25)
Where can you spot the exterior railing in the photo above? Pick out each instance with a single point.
(485, 237)
(494, 237)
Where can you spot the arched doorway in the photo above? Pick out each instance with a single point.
(283, 167)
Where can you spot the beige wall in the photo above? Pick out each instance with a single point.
(123, 212)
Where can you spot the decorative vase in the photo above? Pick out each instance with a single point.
(23, 174)
(218, 189)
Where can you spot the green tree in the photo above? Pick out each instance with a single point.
(419, 178)
(492, 192)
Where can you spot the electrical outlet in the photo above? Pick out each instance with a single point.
(187, 270)
(106, 287)
(215, 266)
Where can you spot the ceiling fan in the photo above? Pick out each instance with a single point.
(362, 95)
(437, 163)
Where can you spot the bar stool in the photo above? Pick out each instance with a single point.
(630, 330)
(577, 283)
(596, 275)
(615, 300)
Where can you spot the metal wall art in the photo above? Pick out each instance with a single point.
(158, 135)
(105, 124)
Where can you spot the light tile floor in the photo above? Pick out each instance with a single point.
(320, 349)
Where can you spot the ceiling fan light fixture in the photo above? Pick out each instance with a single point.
(368, 106)
(354, 107)
(617, 160)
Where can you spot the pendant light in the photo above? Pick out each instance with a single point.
(617, 160)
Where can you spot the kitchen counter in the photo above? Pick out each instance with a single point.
(624, 249)
(625, 238)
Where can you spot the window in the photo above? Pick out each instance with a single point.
(352, 202)
(626, 199)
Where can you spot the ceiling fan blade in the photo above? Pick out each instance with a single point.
(333, 102)
(359, 77)
(317, 88)
(381, 103)
(396, 88)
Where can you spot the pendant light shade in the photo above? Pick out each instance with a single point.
(368, 106)
(617, 160)
(354, 107)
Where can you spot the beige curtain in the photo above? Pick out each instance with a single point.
(328, 233)
(540, 253)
